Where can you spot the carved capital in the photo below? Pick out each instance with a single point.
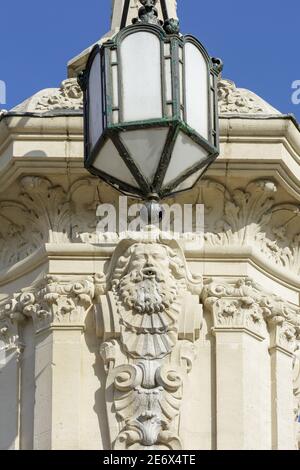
(246, 305)
(68, 302)
(283, 321)
(54, 302)
(235, 307)
(9, 331)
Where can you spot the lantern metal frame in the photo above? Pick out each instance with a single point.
(176, 123)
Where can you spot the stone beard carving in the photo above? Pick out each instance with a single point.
(156, 320)
(147, 299)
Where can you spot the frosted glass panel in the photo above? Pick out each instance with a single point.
(196, 82)
(168, 80)
(190, 181)
(114, 72)
(95, 102)
(145, 148)
(186, 154)
(167, 49)
(112, 164)
(141, 77)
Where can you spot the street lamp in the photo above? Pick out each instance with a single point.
(150, 108)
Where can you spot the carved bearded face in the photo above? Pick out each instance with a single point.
(149, 287)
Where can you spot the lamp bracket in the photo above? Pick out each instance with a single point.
(148, 14)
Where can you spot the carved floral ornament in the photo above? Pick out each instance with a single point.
(251, 216)
(245, 305)
(68, 97)
(52, 301)
(45, 212)
(232, 100)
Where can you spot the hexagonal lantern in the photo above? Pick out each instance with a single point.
(150, 106)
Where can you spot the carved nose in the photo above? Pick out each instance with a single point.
(149, 271)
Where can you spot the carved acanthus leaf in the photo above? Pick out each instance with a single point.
(252, 217)
(235, 306)
(45, 213)
(53, 301)
(245, 305)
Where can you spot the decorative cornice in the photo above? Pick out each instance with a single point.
(247, 217)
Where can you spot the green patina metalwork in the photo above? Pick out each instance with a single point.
(176, 123)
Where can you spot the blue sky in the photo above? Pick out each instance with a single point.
(257, 40)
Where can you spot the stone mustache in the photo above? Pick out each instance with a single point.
(149, 318)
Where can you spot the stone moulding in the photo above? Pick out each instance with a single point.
(249, 217)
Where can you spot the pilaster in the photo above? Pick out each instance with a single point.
(284, 331)
(242, 388)
(58, 308)
(255, 341)
(10, 352)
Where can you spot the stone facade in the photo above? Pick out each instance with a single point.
(147, 342)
